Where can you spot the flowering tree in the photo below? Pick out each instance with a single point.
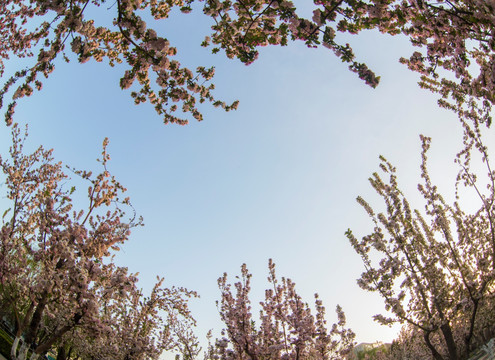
(137, 327)
(435, 271)
(144, 327)
(454, 34)
(57, 285)
(287, 329)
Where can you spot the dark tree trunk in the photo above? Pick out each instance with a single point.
(449, 340)
(61, 354)
(434, 352)
(57, 334)
(34, 325)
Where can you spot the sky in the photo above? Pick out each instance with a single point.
(277, 178)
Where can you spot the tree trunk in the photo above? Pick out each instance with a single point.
(13, 349)
(32, 331)
(23, 351)
(434, 352)
(57, 334)
(449, 340)
(61, 355)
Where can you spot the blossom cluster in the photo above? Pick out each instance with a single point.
(59, 288)
(452, 36)
(156, 76)
(434, 268)
(287, 331)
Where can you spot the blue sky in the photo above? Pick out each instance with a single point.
(275, 179)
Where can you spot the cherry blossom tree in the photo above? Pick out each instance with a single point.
(144, 327)
(435, 269)
(455, 38)
(137, 327)
(287, 329)
(58, 285)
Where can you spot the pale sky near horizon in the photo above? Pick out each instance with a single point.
(275, 179)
